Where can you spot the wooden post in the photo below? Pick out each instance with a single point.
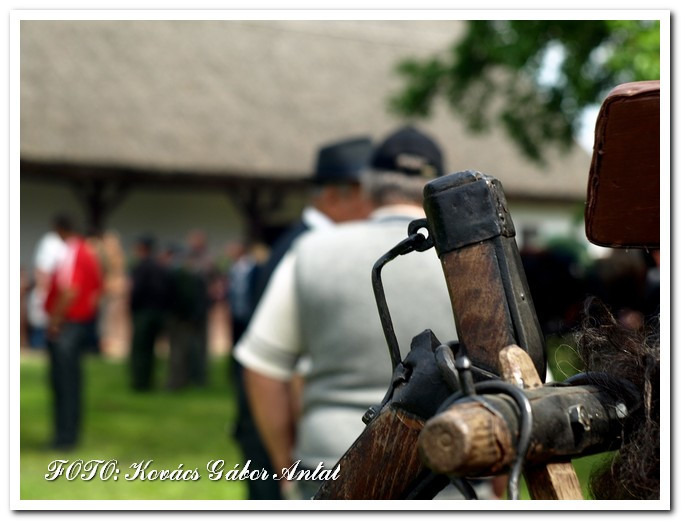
(479, 303)
(474, 236)
(99, 198)
(255, 205)
(554, 480)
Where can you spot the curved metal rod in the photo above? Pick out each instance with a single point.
(466, 489)
(411, 243)
(525, 408)
(415, 241)
(379, 294)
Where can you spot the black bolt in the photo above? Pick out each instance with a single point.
(369, 415)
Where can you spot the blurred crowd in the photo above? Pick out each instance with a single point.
(301, 313)
(86, 295)
(561, 274)
(171, 299)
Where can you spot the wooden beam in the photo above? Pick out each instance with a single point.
(99, 197)
(61, 172)
(100, 188)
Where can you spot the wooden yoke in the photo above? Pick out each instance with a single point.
(474, 238)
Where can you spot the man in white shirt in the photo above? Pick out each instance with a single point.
(48, 254)
(320, 304)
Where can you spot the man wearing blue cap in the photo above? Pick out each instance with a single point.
(337, 197)
(320, 304)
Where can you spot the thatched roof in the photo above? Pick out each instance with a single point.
(243, 97)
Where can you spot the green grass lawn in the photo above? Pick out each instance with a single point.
(189, 427)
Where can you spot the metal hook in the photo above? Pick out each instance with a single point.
(414, 242)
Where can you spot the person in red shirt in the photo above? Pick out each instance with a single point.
(71, 304)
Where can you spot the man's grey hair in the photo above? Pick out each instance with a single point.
(387, 187)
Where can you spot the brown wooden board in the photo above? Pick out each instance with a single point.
(479, 302)
(383, 463)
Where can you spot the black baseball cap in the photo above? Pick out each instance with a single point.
(343, 161)
(410, 152)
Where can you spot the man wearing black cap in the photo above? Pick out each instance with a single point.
(320, 304)
(337, 197)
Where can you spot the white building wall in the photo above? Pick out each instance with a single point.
(169, 215)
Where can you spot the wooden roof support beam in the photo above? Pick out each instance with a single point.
(99, 198)
(255, 204)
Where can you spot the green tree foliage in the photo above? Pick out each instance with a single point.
(534, 77)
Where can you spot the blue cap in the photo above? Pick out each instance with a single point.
(343, 161)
